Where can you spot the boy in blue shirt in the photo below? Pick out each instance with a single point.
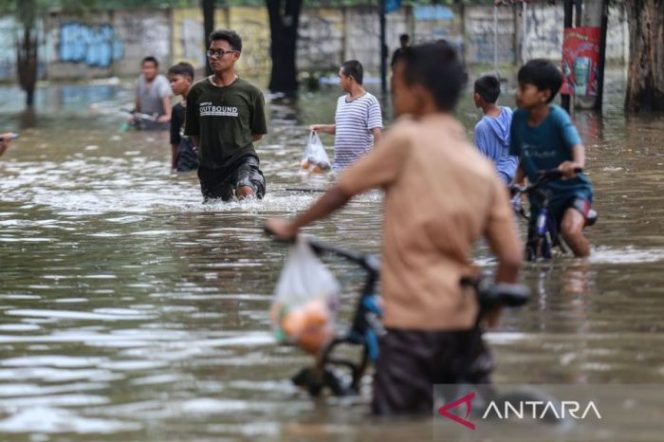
(543, 137)
(492, 132)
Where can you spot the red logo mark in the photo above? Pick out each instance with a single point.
(467, 399)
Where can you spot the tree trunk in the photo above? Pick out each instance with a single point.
(645, 75)
(208, 27)
(26, 62)
(284, 21)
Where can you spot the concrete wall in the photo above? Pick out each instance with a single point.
(114, 43)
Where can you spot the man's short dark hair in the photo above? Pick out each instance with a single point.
(543, 74)
(150, 59)
(182, 68)
(488, 87)
(404, 38)
(231, 37)
(438, 68)
(353, 68)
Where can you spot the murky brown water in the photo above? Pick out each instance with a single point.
(129, 311)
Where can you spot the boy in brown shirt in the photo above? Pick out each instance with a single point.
(440, 196)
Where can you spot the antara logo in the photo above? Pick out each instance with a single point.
(468, 401)
(537, 410)
(540, 410)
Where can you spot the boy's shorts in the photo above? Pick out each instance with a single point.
(185, 156)
(412, 361)
(222, 183)
(579, 202)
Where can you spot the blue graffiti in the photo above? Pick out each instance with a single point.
(433, 12)
(96, 46)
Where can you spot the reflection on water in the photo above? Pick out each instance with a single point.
(130, 311)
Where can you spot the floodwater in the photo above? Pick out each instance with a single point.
(130, 311)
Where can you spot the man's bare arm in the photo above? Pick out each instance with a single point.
(324, 128)
(332, 200)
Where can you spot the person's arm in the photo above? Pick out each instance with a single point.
(175, 137)
(578, 161)
(377, 133)
(520, 176)
(324, 128)
(480, 140)
(191, 127)
(503, 239)
(375, 120)
(166, 102)
(137, 100)
(258, 121)
(174, 153)
(6, 141)
(379, 167)
(573, 142)
(332, 200)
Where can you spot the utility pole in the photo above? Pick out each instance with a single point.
(565, 100)
(383, 47)
(602, 56)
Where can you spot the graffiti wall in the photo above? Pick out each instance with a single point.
(114, 43)
(321, 42)
(143, 33)
(489, 33)
(7, 48)
(93, 46)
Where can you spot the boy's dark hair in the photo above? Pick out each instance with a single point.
(543, 74)
(182, 68)
(437, 67)
(231, 37)
(353, 68)
(488, 87)
(404, 38)
(150, 59)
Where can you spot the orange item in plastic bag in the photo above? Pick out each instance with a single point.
(309, 326)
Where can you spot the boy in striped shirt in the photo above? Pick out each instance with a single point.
(358, 121)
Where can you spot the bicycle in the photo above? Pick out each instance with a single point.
(366, 326)
(543, 233)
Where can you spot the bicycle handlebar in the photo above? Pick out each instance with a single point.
(491, 296)
(544, 177)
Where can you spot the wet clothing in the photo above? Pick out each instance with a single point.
(221, 183)
(185, 157)
(492, 137)
(558, 210)
(151, 96)
(545, 147)
(441, 195)
(354, 120)
(411, 362)
(225, 118)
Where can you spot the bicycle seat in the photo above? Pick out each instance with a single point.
(591, 219)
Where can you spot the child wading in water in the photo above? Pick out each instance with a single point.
(441, 195)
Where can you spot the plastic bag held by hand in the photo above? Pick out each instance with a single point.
(315, 158)
(302, 311)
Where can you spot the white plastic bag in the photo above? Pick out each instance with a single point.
(315, 158)
(304, 300)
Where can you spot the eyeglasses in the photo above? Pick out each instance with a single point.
(218, 53)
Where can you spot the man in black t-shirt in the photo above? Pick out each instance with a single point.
(183, 152)
(225, 116)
